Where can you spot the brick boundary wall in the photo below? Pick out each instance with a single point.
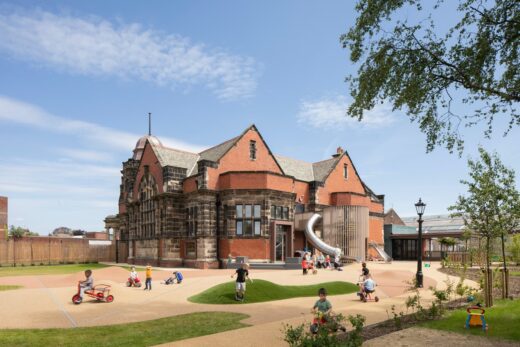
(52, 250)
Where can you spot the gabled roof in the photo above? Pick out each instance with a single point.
(174, 157)
(391, 217)
(299, 169)
(218, 151)
(322, 169)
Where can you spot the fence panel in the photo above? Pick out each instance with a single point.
(50, 250)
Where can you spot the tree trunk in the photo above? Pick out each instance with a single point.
(503, 251)
(488, 290)
(505, 273)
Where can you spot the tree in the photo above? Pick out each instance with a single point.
(78, 232)
(447, 242)
(418, 67)
(492, 207)
(17, 232)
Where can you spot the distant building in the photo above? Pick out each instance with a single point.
(96, 235)
(3, 217)
(401, 235)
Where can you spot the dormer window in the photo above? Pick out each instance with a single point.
(252, 150)
(345, 171)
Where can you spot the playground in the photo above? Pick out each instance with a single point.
(45, 301)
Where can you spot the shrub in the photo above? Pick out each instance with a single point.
(300, 336)
(396, 317)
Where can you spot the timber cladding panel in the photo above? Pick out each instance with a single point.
(49, 250)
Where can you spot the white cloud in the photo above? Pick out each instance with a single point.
(330, 112)
(19, 112)
(94, 46)
(82, 154)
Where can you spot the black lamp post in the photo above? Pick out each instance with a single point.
(419, 206)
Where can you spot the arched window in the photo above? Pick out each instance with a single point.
(147, 191)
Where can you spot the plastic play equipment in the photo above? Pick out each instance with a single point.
(315, 241)
(476, 319)
(381, 252)
(100, 292)
(136, 282)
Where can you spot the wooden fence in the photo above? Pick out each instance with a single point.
(52, 250)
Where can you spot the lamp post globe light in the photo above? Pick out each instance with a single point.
(419, 207)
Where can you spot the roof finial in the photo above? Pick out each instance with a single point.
(149, 123)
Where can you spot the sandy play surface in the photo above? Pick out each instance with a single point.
(45, 302)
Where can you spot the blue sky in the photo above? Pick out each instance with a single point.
(78, 78)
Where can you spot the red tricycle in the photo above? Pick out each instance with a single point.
(100, 292)
(329, 321)
(136, 282)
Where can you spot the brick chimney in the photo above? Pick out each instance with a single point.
(339, 151)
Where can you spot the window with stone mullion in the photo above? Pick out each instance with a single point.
(147, 205)
(192, 221)
(248, 220)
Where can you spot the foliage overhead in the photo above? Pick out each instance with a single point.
(421, 68)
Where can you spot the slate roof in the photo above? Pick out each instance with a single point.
(216, 152)
(391, 217)
(299, 169)
(177, 158)
(322, 168)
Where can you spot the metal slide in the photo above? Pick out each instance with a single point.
(381, 252)
(316, 241)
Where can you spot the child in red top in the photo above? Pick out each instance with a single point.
(304, 266)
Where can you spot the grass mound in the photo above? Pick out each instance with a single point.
(503, 319)
(262, 291)
(146, 333)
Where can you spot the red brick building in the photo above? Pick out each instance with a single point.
(178, 208)
(3, 216)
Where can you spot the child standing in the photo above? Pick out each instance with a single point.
(364, 270)
(240, 287)
(304, 265)
(148, 283)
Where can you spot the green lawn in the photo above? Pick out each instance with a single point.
(261, 291)
(147, 333)
(514, 273)
(47, 269)
(9, 287)
(503, 320)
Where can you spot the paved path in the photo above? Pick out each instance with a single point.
(46, 300)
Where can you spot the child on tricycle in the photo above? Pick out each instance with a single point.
(100, 292)
(323, 316)
(366, 288)
(133, 280)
